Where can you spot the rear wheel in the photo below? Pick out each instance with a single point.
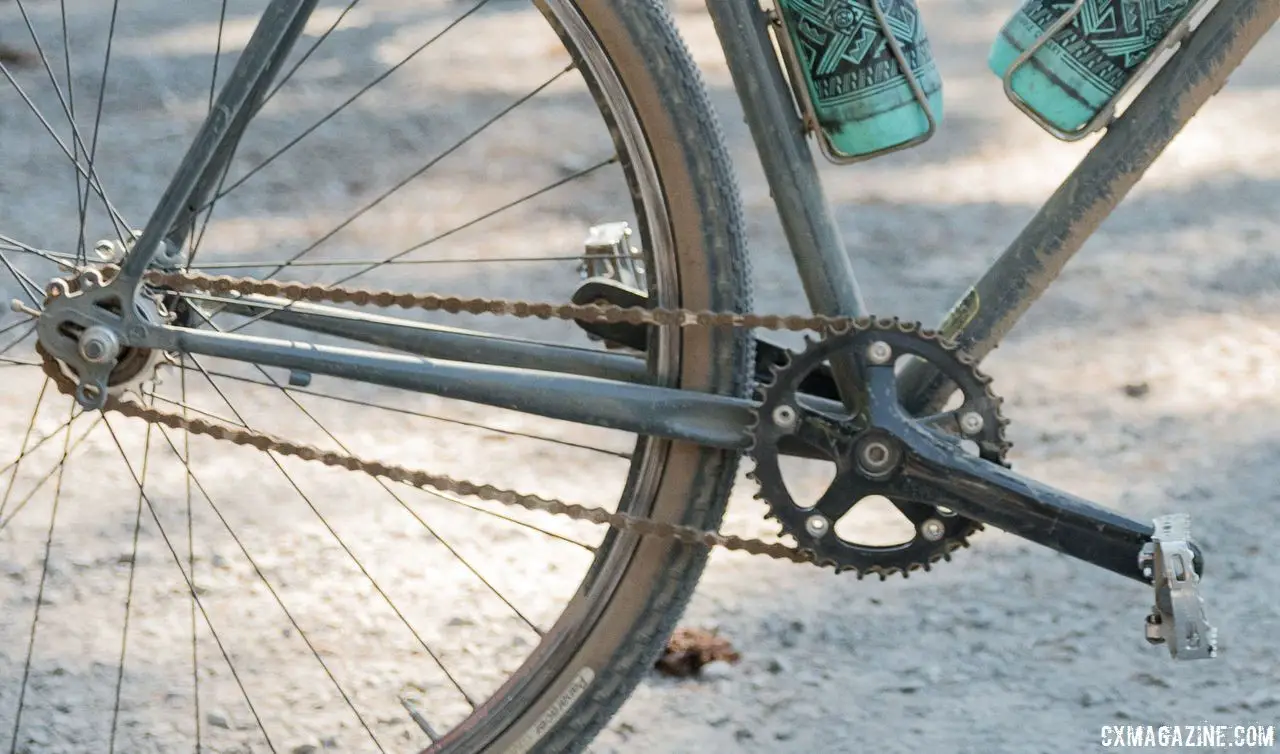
(173, 591)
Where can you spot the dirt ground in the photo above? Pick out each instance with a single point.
(1147, 380)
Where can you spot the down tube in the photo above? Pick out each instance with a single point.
(1096, 187)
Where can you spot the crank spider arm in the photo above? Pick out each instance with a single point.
(936, 467)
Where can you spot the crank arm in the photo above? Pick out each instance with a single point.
(936, 468)
(934, 464)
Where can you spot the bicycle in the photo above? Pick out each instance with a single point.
(667, 292)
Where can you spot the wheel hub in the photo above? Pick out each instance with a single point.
(80, 350)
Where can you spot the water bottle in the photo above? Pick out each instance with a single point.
(862, 99)
(1085, 65)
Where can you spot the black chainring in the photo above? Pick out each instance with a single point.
(835, 434)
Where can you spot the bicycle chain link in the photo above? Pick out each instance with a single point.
(596, 312)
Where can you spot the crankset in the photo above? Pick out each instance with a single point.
(945, 472)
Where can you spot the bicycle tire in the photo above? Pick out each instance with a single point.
(685, 139)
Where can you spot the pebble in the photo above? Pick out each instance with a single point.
(217, 720)
(1264, 699)
(304, 749)
(716, 670)
(777, 665)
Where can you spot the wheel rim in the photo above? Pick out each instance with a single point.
(541, 665)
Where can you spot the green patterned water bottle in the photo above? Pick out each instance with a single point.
(863, 101)
(1084, 55)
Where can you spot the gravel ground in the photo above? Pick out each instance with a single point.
(1146, 380)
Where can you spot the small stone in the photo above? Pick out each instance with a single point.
(1137, 389)
(1088, 698)
(218, 561)
(125, 558)
(460, 622)
(304, 749)
(1147, 679)
(217, 720)
(776, 665)
(784, 734)
(718, 719)
(1264, 699)
(329, 742)
(742, 734)
(716, 670)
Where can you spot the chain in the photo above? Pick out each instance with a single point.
(598, 313)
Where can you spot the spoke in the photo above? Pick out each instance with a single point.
(40, 484)
(509, 519)
(36, 445)
(44, 574)
(67, 107)
(354, 559)
(26, 441)
(439, 237)
(190, 586)
(270, 588)
(191, 555)
(430, 164)
(31, 327)
(306, 55)
(128, 599)
(88, 173)
(383, 483)
(419, 414)
(217, 54)
(359, 262)
(194, 239)
(59, 258)
(82, 256)
(28, 285)
(5, 361)
(379, 79)
(187, 407)
(97, 122)
(486, 216)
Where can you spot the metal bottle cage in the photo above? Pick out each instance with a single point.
(1107, 114)
(800, 89)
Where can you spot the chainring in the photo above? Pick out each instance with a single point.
(834, 433)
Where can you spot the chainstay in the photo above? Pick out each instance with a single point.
(423, 479)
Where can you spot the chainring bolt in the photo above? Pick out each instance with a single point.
(932, 529)
(879, 352)
(785, 418)
(817, 526)
(971, 423)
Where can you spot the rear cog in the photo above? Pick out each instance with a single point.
(827, 430)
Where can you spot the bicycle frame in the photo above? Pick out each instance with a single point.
(609, 390)
(605, 389)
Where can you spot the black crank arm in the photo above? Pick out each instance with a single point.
(996, 496)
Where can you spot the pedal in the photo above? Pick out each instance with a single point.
(1178, 617)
